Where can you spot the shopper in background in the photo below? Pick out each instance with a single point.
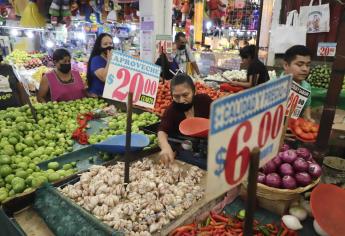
(11, 90)
(256, 71)
(98, 64)
(184, 54)
(185, 104)
(62, 83)
(297, 61)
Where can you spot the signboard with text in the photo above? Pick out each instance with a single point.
(297, 99)
(253, 118)
(128, 74)
(326, 49)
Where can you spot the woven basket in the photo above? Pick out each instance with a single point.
(275, 199)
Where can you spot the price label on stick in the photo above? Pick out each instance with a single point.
(127, 74)
(297, 99)
(326, 49)
(239, 123)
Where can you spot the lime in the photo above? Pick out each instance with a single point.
(9, 178)
(5, 170)
(13, 140)
(53, 165)
(5, 159)
(67, 166)
(52, 177)
(29, 141)
(22, 174)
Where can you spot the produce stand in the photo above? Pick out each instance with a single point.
(18, 216)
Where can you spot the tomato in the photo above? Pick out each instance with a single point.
(306, 128)
(298, 130)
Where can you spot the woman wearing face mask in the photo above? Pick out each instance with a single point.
(62, 83)
(185, 104)
(98, 64)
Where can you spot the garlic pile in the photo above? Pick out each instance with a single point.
(238, 75)
(156, 195)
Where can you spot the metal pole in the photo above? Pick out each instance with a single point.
(259, 27)
(128, 136)
(337, 77)
(251, 191)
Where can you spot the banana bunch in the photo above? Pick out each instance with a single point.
(39, 73)
(31, 16)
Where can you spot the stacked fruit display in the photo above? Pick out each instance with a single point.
(117, 126)
(319, 76)
(40, 71)
(17, 57)
(164, 99)
(47, 61)
(23, 143)
(33, 63)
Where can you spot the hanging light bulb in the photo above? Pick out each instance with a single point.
(81, 36)
(133, 27)
(29, 34)
(208, 25)
(49, 44)
(116, 40)
(14, 32)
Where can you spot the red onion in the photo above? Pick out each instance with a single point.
(277, 161)
(303, 179)
(289, 182)
(303, 152)
(273, 180)
(261, 178)
(270, 167)
(286, 169)
(284, 148)
(289, 156)
(314, 170)
(300, 165)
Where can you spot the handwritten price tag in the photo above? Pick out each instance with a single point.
(127, 74)
(239, 123)
(297, 99)
(326, 49)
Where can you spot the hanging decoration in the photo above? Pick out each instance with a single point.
(31, 16)
(60, 9)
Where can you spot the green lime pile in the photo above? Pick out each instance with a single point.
(21, 137)
(23, 143)
(320, 77)
(18, 175)
(117, 126)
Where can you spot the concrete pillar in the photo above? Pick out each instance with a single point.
(155, 18)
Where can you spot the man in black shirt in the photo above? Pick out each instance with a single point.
(256, 71)
(11, 94)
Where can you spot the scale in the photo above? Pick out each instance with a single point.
(191, 149)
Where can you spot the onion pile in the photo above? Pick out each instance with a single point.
(290, 169)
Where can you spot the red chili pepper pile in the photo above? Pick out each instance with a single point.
(221, 224)
(80, 134)
(164, 98)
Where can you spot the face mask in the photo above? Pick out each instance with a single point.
(107, 49)
(65, 68)
(182, 47)
(183, 106)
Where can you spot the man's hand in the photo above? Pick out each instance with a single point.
(167, 155)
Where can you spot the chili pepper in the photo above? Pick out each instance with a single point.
(213, 222)
(272, 228)
(264, 230)
(206, 228)
(217, 217)
(183, 229)
(280, 231)
(208, 221)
